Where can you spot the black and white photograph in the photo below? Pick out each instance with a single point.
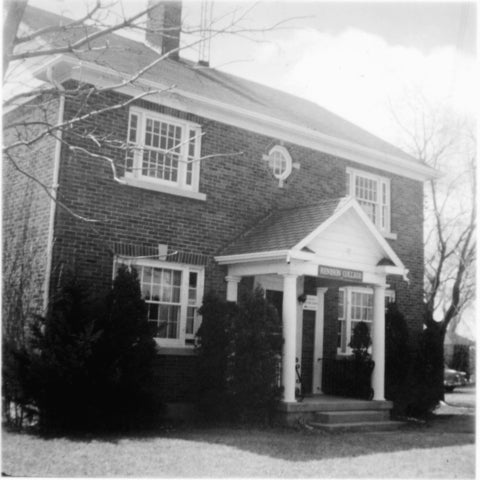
(239, 239)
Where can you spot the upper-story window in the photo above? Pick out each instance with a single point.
(373, 194)
(279, 162)
(165, 151)
(173, 294)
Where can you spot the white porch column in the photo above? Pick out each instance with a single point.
(289, 318)
(378, 342)
(232, 287)
(318, 349)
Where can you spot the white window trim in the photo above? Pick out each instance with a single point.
(347, 318)
(288, 159)
(185, 269)
(380, 181)
(179, 187)
(284, 152)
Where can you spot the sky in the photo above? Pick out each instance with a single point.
(357, 59)
(353, 58)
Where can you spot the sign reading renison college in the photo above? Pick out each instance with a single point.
(340, 273)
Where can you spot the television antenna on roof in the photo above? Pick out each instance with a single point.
(206, 14)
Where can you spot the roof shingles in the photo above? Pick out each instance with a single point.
(283, 229)
(129, 56)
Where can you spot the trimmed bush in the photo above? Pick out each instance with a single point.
(361, 341)
(124, 356)
(422, 388)
(255, 352)
(428, 372)
(397, 354)
(88, 364)
(213, 350)
(239, 356)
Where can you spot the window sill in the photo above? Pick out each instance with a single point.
(341, 355)
(157, 187)
(179, 351)
(390, 235)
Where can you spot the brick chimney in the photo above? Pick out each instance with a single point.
(164, 23)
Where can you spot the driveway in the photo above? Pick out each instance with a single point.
(461, 397)
(459, 402)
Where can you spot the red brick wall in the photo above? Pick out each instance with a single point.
(175, 377)
(240, 190)
(26, 206)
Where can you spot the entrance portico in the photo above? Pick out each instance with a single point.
(334, 241)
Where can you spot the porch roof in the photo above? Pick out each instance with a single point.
(283, 229)
(335, 232)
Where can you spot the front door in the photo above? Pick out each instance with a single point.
(308, 347)
(276, 299)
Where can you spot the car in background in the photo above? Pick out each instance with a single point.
(453, 378)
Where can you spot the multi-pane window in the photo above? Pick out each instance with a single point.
(163, 149)
(361, 308)
(161, 291)
(373, 194)
(355, 305)
(173, 294)
(279, 162)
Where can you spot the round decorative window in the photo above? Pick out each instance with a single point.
(280, 162)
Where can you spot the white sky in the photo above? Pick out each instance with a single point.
(356, 58)
(352, 58)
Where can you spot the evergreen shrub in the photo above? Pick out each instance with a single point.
(239, 357)
(426, 375)
(253, 364)
(213, 350)
(88, 362)
(420, 387)
(397, 353)
(361, 341)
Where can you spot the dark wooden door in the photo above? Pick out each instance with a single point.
(276, 299)
(308, 346)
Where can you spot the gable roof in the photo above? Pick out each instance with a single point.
(290, 231)
(128, 56)
(283, 229)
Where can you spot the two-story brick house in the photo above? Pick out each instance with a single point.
(220, 181)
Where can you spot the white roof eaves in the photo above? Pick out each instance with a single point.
(261, 123)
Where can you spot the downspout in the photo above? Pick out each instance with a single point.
(53, 202)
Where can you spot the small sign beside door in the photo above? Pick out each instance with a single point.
(340, 273)
(311, 302)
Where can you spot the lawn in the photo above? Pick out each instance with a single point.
(444, 448)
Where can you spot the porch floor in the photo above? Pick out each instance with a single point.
(328, 403)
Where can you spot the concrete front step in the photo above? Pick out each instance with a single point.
(378, 426)
(327, 404)
(333, 411)
(352, 416)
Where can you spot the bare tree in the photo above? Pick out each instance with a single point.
(85, 38)
(438, 137)
(48, 113)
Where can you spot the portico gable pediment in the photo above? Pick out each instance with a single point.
(336, 232)
(348, 237)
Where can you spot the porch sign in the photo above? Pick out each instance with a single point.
(311, 303)
(340, 274)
